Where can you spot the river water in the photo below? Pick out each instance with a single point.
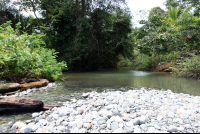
(118, 79)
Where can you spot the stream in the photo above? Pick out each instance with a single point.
(122, 79)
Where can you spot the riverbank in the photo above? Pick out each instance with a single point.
(137, 110)
(179, 64)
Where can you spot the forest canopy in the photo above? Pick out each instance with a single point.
(93, 34)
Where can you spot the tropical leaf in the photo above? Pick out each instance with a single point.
(185, 11)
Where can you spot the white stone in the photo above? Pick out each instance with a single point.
(114, 126)
(172, 129)
(79, 124)
(62, 128)
(129, 124)
(35, 115)
(160, 117)
(118, 119)
(119, 130)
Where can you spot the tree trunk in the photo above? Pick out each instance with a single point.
(83, 8)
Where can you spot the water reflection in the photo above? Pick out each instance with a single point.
(124, 77)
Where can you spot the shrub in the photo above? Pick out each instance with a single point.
(190, 68)
(25, 56)
(147, 63)
(124, 62)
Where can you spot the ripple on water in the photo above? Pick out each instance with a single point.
(140, 73)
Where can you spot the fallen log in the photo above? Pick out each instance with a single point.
(40, 83)
(8, 87)
(19, 105)
(11, 93)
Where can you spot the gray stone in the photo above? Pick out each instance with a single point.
(136, 121)
(94, 131)
(129, 124)
(128, 129)
(43, 122)
(159, 118)
(88, 116)
(39, 130)
(171, 114)
(142, 120)
(62, 113)
(126, 118)
(119, 130)
(190, 131)
(74, 130)
(186, 121)
(118, 119)
(104, 118)
(157, 127)
(85, 95)
(37, 119)
(114, 126)
(55, 116)
(71, 124)
(27, 130)
(79, 124)
(51, 129)
(191, 118)
(106, 113)
(28, 121)
(82, 130)
(14, 127)
(102, 122)
(34, 127)
(187, 126)
(172, 129)
(65, 123)
(137, 130)
(143, 127)
(62, 128)
(128, 110)
(35, 115)
(103, 126)
(42, 117)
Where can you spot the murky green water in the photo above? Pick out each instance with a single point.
(119, 79)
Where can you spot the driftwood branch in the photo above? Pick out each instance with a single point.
(40, 83)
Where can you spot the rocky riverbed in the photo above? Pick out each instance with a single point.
(138, 110)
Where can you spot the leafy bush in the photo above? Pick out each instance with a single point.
(124, 62)
(146, 62)
(190, 68)
(24, 56)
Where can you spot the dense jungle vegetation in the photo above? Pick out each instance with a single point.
(85, 35)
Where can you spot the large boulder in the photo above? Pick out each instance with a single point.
(19, 105)
(8, 87)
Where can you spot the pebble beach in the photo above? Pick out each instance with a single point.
(134, 111)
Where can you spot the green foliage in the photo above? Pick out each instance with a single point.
(184, 3)
(88, 39)
(172, 36)
(149, 63)
(155, 36)
(156, 11)
(173, 12)
(124, 62)
(160, 35)
(190, 68)
(24, 56)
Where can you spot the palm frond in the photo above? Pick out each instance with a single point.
(185, 11)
